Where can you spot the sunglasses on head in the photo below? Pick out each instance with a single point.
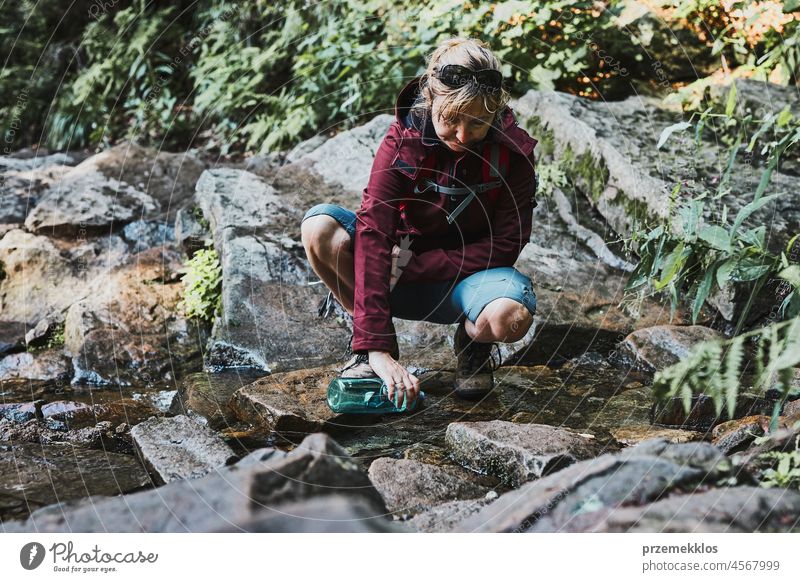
(455, 76)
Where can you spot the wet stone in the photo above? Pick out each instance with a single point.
(207, 395)
(409, 487)
(37, 475)
(658, 347)
(631, 435)
(516, 453)
(702, 415)
(446, 516)
(179, 448)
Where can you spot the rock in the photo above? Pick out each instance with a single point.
(48, 365)
(269, 319)
(446, 516)
(725, 510)
(51, 431)
(635, 476)
(31, 263)
(36, 475)
(631, 435)
(22, 182)
(609, 149)
(628, 408)
(288, 402)
(21, 412)
(179, 448)
(329, 514)
(656, 348)
(169, 178)
(516, 453)
(191, 230)
(318, 468)
(737, 435)
(146, 234)
(133, 309)
(12, 337)
(207, 395)
(84, 202)
(75, 415)
(409, 487)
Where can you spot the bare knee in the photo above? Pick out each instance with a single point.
(504, 320)
(323, 236)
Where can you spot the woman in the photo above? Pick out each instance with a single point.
(446, 212)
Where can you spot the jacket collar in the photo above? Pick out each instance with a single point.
(502, 131)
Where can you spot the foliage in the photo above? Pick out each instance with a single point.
(716, 368)
(695, 256)
(759, 40)
(202, 296)
(550, 176)
(786, 472)
(260, 76)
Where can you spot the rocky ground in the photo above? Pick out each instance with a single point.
(120, 414)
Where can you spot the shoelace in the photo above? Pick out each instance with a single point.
(476, 358)
(360, 359)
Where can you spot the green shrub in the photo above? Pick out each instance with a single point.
(786, 471)
(202, 296)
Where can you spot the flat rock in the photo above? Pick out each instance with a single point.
(288, 402)
(516, 453)
(317, 468)
(86, 202)
(409, 487)
(631, 435)
(179, 448)
(35, 475)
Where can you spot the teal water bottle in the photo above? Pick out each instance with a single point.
(364, 396)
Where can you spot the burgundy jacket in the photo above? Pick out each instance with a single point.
(490, 232)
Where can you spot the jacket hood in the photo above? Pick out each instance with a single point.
(506, 130)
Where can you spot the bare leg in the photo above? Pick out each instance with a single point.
(327, 246)
(502, 320)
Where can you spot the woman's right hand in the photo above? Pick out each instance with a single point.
(397, 378)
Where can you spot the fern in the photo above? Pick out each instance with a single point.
(715, 368)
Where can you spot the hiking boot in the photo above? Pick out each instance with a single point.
(474, 378)
(358, 365)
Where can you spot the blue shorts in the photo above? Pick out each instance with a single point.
(447, 301)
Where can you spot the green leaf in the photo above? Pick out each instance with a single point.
(731, 103)
(724, 272)
(672, 265)
(716, 236)
(702, 292)
(749, 209)
(668, 131)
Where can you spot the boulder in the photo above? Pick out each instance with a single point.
(207, 395)
(655, 348)
(410, 487)
(516, 453)
(633, 477)
(230, 496)
(50, 365)
(32, 263)
(269, 312)
(725, 510)
(134, 310)
(445, 516)
(179, 448)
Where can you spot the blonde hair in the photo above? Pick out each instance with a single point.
(467, 52)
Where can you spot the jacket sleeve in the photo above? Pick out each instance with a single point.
(510, 231)
(376, 227)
